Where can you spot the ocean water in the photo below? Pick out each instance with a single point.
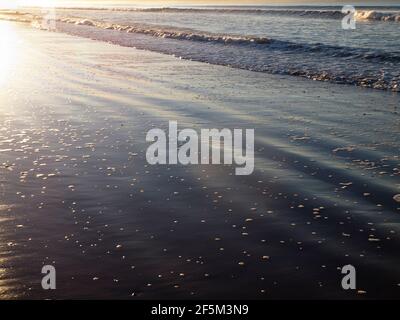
(301, 41)
(77, 192)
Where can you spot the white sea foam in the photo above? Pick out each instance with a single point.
(377, 16)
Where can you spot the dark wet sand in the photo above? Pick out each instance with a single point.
(76, 191)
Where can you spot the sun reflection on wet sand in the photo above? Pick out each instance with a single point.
(5, 287)
(10, 58)
(8, 51)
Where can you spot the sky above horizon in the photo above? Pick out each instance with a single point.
(4, 3)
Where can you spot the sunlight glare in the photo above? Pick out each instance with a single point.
(8, 51)
(5, 4)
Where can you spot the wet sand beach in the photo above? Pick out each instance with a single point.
(76, 190)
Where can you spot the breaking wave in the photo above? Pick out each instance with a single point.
(366, 67)
(260, 42)
(372, 15)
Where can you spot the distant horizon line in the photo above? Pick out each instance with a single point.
(103, 5)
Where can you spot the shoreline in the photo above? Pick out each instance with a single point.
(316, 61)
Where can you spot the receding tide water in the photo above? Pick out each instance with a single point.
(77, 192)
